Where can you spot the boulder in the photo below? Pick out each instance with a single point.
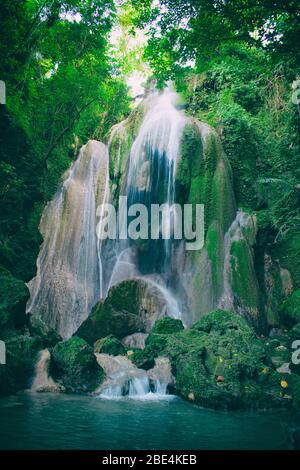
(135, 341)
(117, 315)
(109, 345)
(221, 363)
(73, 365)
(167, 325)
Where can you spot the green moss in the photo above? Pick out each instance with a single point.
(197, 189)
(242, 145)
(21, 355)
(13, 297)
(222, 321)
(191, 164)
(73, 364)
(47, 336)
(287, 252)
(155, 345)
(167, 325)
(215, 250)
(243, 276)
(125, 297)
(290, 309)
(220, 345)
(117, 315)
(109, 345)
(223, 204)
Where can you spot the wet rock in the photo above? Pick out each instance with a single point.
(135, 341)
(109, 345)
(73, 365)
(222, 344)
(117, 315)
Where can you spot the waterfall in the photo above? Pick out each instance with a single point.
(42, 382)
(69, 274)
(150, 179)
(124, 379)
(76, 268)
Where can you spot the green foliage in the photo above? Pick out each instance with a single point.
(290, 310)
(13, 297)
(197, 30)
(21, 355)
(62, 88)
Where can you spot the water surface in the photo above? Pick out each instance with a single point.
(52, 421)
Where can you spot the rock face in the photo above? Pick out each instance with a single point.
(212, 277)
(220, 363)
(130, 307)
(74, 366)
(135, 341)
(67, 284)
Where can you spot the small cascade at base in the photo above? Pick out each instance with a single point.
(124, 379)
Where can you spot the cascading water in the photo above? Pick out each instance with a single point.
(150, 180)
(68, 280)
(42, 382)
(124, 379)
(76, 269)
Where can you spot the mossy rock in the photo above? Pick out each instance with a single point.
(220, 363)
(21, 355)
(48, 337)
(191, 164)
(223, 345)
(290, 309)
(222, 322)
(109, 345)
(155, 344)
(13, 297)
(244, 283)
(215, 250)
(117, 315)
(167, 325)
(73, 364)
